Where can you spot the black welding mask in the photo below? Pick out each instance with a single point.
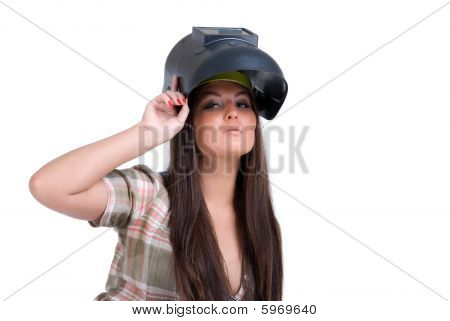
(210, 51)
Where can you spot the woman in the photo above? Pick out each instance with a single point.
(203, 230)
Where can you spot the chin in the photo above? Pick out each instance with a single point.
(223, 151)
(234, 153)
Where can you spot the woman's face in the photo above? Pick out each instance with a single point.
(222, 105)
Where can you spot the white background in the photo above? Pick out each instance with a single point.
(365, 229)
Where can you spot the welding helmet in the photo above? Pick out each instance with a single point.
(214, 53)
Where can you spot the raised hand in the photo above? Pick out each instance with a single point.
(161, 117)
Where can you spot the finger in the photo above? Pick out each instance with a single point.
(174, 86)
(167, 99)
(157, 100)
(177, 98)
(184, 112)
(180, 97)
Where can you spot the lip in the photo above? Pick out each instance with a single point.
(233, 129)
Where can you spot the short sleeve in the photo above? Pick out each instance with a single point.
(130, 192)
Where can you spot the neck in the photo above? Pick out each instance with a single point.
(218, 181)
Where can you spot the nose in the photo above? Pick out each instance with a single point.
(231, 111)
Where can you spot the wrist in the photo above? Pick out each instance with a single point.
(147, 137)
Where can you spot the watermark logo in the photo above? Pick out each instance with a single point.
(219, 148)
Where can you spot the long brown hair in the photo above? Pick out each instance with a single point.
(199, 265)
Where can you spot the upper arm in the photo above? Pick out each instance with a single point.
(90, 204)
(87, 205)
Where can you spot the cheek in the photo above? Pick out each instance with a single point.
(249, 124)
(206, 130)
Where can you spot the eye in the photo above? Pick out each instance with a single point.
(243, 103)
(209, 106)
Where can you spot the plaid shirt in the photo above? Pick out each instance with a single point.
(143, 264)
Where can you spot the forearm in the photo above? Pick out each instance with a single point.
(81, 168)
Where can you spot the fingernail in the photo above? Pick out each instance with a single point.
(178, 101)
